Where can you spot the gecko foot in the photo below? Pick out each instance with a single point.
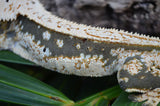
(152, 97)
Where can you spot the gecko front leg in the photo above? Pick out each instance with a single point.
(141, 74)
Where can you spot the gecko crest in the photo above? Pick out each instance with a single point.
(34, 10)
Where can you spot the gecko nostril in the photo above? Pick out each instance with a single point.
(7, 0)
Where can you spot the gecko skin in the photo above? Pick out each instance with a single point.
(28, 30)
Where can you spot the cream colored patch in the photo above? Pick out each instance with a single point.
(136, 90)
(125, 79)
(78, 46)
(46, 35)
(59, 43)
(133, 66)
(141, 77)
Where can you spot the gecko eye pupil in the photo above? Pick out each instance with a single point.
(7, 0)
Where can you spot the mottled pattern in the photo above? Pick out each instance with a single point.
(70, 48)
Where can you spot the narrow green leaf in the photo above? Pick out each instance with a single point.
(20, 88)
(101, 98)
(8, 56)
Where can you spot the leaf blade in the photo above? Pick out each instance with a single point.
(13, 80)
(123, 100)
(8, 56)
(100, 98)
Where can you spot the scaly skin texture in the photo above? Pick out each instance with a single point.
(28, 30)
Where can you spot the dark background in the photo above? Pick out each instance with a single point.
(142, 16)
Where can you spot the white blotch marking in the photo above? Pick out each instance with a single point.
(39, 26)
(95, 56)
(59, 43)
(78, 46)
(135, 90)
(46, 35)
(47, 52)
(38, 42)
(82, 55)
(22, 27)
(125, 79)
(100, 56)
(88, 56)
(20, 22)
(71, 37)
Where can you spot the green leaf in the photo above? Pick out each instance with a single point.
(123, 100)
(8, 56)
(101, 98)
(20, 88)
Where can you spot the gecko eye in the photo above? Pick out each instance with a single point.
(7, 0)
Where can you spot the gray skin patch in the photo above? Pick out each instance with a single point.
(1, 30)
(69, 49)
(11, 34)
(140, 81)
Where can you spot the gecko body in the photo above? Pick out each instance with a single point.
(28, 30)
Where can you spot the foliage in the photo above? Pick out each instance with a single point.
(20, 88)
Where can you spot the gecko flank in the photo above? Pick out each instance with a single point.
(28, 30)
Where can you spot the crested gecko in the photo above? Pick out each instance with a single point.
(30, 31)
